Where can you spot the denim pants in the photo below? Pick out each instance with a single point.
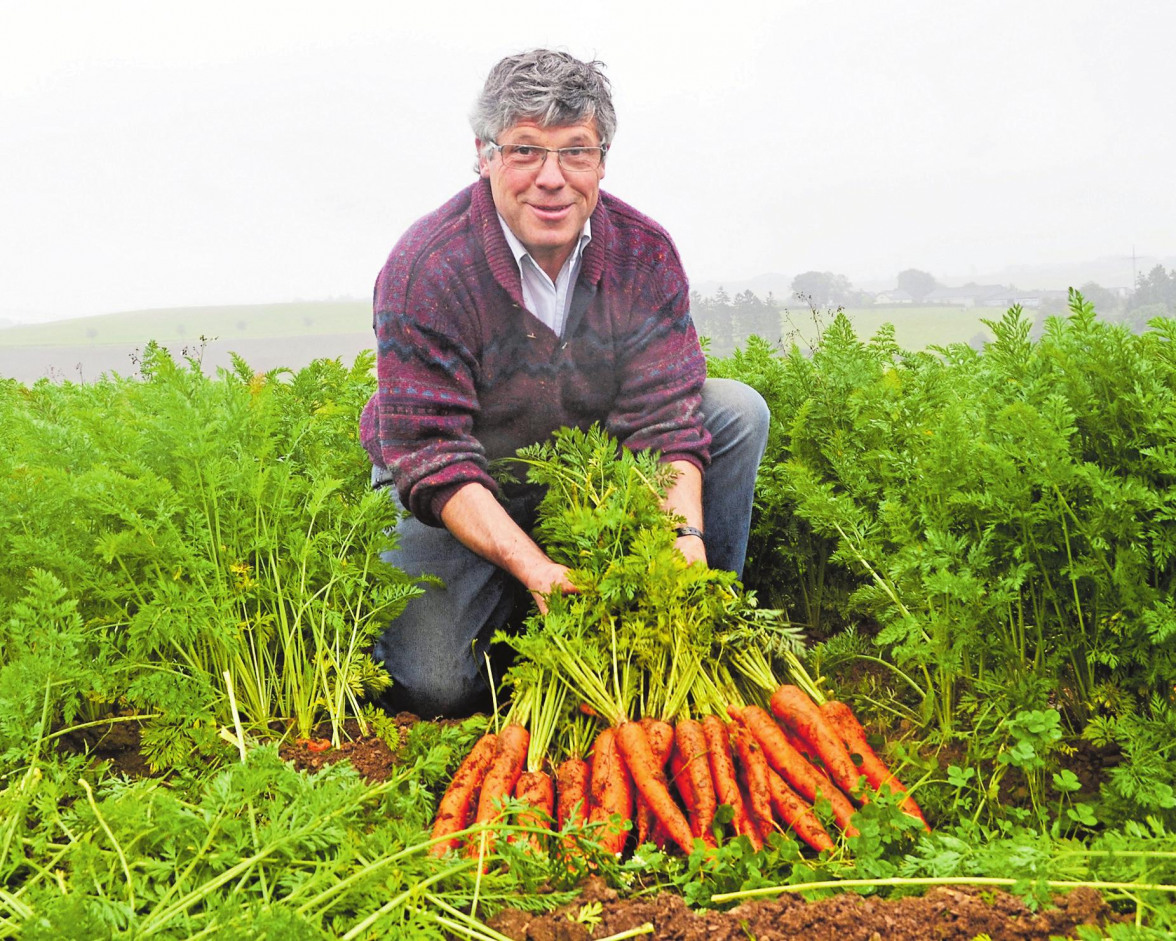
(436, 651)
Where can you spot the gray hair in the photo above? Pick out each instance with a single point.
(548, 87)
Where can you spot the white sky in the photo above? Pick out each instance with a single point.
(160, 154)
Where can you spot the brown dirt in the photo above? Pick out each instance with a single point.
(943, 913)
(116, 742)
(370, 756)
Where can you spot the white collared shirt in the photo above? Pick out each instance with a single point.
(548, 300)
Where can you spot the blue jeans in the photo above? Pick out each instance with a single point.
(436, 650)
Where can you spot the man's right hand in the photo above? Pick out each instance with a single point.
(479, 522)
(547, 580)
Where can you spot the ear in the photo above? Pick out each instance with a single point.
(483, 163)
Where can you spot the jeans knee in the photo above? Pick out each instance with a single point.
(736, 415)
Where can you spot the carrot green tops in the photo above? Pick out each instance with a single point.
(467, 375)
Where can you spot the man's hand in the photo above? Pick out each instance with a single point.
(547, 580)
(693, 548)
(480, 523)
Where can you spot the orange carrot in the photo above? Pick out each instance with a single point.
(791, 809)
(793, 766)
(661, 740)
(841, 718)
(681, 780)
(691, 742)
(726, 784)
(754, 768)
(678, 781)
(650, 780)
(535, 788)
(611, 791)
(793, 707)
(509, 759)
(571, 786)
(455, 804)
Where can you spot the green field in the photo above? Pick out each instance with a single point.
(918, 327)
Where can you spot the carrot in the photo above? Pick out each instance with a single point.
(794, 708)
(650, 780)
(691, 742)
(846, 725)
(793, 766)
(535, 788)
(754, 768)
(726, 784)
(791, 809)
(661, 740)
(571, 786)
(571, 790)
(611, 791)
(510, 756)
(455, 803)
(681, 780)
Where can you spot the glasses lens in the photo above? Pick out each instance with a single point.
(579, 159)
(522, 156)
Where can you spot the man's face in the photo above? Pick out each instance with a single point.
(545, 208)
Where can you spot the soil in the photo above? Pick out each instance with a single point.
(370, 756)
(943, 913)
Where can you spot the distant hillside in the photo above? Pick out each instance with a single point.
(267, 336)
(185, 324)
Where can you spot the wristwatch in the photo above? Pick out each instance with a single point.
(688, 531)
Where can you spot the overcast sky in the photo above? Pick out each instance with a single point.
(160, 154)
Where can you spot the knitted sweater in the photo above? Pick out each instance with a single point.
(467, 375)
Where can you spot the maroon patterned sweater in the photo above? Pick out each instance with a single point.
(467, 375)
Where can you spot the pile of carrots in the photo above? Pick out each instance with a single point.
(652, 780)
(647, 699)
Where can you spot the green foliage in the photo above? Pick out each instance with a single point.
(209, 531)
(999, 523)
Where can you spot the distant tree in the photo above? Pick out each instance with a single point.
(1156, 287)
(822, 288)
(1104, 301)
(747, 300)
(721, 298)
(918, 284)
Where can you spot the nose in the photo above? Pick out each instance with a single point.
(550, 174)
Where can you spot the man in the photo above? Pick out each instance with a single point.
(528, 302)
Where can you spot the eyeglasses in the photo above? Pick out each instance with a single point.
(532, 157)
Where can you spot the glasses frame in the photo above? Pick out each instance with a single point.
(559, 156)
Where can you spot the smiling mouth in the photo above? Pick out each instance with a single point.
(551, 212)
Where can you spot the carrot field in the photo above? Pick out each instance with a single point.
(942, 702)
